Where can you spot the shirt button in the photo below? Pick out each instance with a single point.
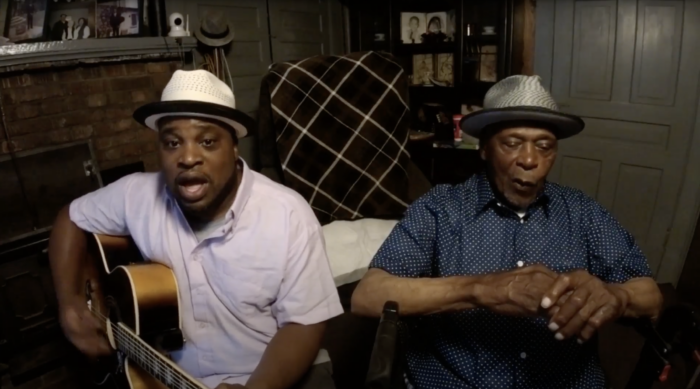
(523, 355)
(520, 263)
(204, 325)
(522, 220)
(197, 257)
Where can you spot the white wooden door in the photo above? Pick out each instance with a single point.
(630, 69)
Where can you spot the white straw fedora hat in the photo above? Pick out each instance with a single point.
(521, 98)
(196, 93)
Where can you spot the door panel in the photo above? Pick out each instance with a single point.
(657, 55)
(630, 69)
(299, 29)
(593, 50)
(581, 173)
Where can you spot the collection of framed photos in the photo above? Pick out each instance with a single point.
(420, 27)
(62, 20)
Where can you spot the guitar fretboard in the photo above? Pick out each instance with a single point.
(162, 368)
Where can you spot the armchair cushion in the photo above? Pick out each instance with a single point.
(352, 244)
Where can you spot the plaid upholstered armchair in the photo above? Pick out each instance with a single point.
(335, 129)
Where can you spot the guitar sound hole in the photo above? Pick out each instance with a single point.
(114, 311)
(165, 341)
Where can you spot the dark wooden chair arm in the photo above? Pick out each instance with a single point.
(676, 332)
(382, 372)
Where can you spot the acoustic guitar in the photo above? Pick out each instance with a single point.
(137, 301)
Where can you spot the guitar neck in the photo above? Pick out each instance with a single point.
(162, 368)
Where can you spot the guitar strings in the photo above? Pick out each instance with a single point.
(144, 353)
(148, 356)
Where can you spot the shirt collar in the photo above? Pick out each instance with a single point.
(486, 197)
(243, 193)
(245, 190)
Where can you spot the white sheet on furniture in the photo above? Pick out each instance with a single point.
(352, 244)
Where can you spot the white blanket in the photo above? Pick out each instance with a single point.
(351, 245)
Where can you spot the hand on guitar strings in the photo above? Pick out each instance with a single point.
(230, 386)
(84, 331)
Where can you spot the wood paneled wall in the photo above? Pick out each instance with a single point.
(523, 60)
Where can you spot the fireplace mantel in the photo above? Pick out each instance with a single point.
(31, 55)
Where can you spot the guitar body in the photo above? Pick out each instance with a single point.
(141, 295)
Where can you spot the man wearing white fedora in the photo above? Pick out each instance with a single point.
(502, 281)
(248, 254)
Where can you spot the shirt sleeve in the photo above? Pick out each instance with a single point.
(104, 210)
(409, 249)
(307, 294)
(613, 253)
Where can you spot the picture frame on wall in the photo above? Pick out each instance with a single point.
(119, 18)
(26, 20)
(71, 20)
(419, 27)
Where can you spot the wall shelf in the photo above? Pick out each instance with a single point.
(23, 56)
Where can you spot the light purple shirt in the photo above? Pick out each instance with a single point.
(266, 267)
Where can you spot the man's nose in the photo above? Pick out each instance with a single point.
(528, 158)
(190, 156)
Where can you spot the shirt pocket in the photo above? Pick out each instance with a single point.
(241, 288)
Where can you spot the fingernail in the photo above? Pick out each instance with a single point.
(553, 326)
(580, 341)
(546, 303)
(559, 336)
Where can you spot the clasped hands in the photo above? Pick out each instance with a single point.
(577, 303)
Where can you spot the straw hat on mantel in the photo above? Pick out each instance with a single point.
(521, 98)
(214, 30)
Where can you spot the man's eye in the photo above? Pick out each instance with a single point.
(544, 146)
(208, 142)
(171, 143)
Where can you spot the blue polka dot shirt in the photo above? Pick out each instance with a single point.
(464, 230)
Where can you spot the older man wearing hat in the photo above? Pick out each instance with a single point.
(248, 254)
(503, 280)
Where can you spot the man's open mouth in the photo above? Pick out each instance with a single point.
(192, 188)
(523, 185)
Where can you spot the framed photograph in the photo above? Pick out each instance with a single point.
(422, 69)
(419, 27)
(26, 20)
(488, 66)
(443, 68)
(119, 18)
(412, 27)
(451, 29)
(71, 20)
(437, 23)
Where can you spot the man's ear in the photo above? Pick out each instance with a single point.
(482, 149)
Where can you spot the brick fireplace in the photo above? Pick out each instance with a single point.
(52, 106)
(60, 110)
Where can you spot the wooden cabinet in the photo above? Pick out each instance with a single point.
(37, 185)
(478, 48)
(479, 36)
